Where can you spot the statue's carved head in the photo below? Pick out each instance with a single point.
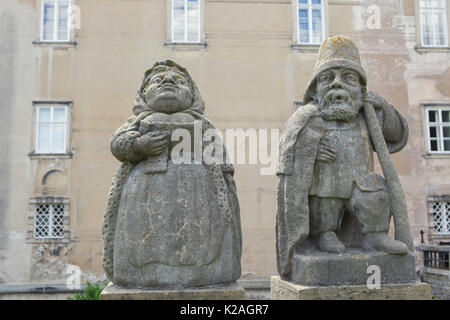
(168, 88)
(339, 93)
(338, 83)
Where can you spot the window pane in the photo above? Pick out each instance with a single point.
(432, 116)
(433, 145)
(446, 145)
(302, 1)
(427, 31)
(446, 132)
(433, 132)
(441, 32)
(303, 26)
(317, 25)
(48, 21)
(315, 1)
(445, 116)
(44, 114)
(193, 16)
(43, 141)
(58, 138)
(59, 114)
(178, 20)
(63, 30)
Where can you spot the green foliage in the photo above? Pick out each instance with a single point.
(91, 292)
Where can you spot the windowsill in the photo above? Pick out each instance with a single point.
(436, 155)
(33, 155)
(305, 47)
(439, 236)
(56, 44)
(421, 49)
(40, 241)
(185, 45)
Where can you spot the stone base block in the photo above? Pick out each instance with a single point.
(229, 292)
(350, 268)
(285, 290)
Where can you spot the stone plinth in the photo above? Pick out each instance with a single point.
(285, 290)
(350, 268)
(229, 292)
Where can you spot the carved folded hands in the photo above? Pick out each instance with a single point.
(152, 143)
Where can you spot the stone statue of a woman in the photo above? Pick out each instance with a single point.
(169, 225)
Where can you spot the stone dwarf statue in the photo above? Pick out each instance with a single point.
(169, 225)
(326, 164)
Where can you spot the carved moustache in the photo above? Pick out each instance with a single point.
(167, 85)
(337, 96)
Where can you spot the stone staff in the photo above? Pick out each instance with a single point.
(398, 203)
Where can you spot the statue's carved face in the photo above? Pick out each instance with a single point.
(168, 91)
(339, 94)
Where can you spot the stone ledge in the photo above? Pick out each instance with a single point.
(285, 290)
(227, 292)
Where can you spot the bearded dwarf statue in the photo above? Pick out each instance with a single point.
(169, 223)
(326, 165)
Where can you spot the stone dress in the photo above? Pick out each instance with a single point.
(170, 229)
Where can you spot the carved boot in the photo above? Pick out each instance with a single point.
(329, 242)
(381, 241)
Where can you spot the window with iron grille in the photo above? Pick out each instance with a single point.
(441, 216)
(55, 19)
(438, 129)
(185, 21)
(433, 23)
(310, 21)
(49, 221)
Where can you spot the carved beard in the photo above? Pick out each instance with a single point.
(337, 105)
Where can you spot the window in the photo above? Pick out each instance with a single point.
(310, 21)
(440, 211)
(49, 221)
(438, 128)
(185, 20)
(51, 129)
(433, 24)
(55, 20)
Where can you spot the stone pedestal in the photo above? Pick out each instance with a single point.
(285, 290)
(350, 268)
(229, 292)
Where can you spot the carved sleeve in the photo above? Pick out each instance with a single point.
(123, 142)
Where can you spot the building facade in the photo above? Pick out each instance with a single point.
(70, 74)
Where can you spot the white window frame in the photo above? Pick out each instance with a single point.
(38, 150)
(439, 124)
(421, 25)
(56, 3)
(309, 6)
(172, 24)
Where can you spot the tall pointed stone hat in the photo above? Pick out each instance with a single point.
(335, 52)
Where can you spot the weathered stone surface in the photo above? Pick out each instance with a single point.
(172, 219)
(328, 193)
(231, 291)
(350, 268)
(285, 290)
